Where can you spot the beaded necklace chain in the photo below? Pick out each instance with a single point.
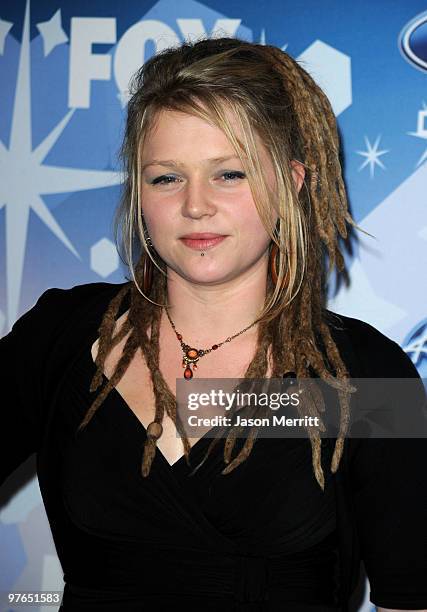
(192, 355)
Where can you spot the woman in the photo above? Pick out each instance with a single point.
(236, 141)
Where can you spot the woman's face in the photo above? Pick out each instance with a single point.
(186, 189)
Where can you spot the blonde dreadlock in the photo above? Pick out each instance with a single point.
(272, 94)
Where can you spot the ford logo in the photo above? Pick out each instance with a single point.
(413, 41)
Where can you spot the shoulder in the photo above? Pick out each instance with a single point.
(78, 295)
(56, 303)
(56, 310)
(371, 352)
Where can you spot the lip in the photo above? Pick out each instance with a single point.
(201, 236)
(201, 244)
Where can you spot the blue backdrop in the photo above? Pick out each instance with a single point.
(64, 73)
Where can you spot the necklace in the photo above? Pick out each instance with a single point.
(192, 355)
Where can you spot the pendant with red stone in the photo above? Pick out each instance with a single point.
(188, 373)
(191, 356)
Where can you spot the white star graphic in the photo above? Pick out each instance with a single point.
(52, 32)
(372, 155)
(4, 31)
(262, 40)
(25, 178)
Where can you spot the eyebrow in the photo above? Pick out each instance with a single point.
(176, 164)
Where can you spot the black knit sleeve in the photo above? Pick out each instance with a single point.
(22, 354)
(388, 482)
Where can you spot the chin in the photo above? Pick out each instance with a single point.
(204, 278)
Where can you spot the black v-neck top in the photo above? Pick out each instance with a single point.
(263, 538)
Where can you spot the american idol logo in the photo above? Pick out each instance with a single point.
(415, 344)
(413, 42)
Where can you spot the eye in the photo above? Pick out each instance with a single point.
(237, 174)
(160, 180)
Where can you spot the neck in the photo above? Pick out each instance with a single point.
(208, 314)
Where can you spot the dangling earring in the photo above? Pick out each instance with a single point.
(273, 254)
(147, 271)
(147, 274)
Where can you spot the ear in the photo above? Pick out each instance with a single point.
(298, 173)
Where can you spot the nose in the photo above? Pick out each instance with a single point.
(197, 200)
